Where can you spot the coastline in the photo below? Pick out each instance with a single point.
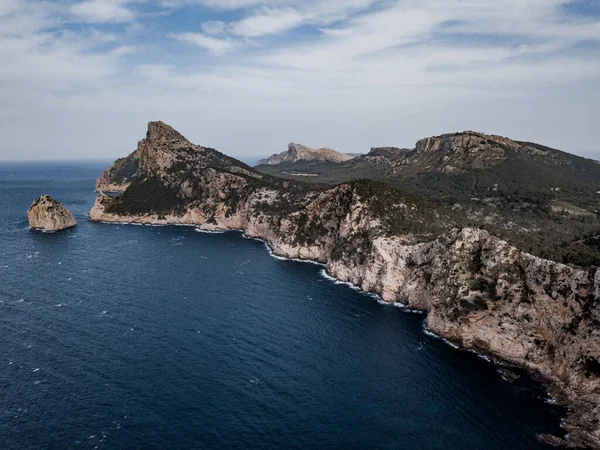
(480, 292)
(553, 391)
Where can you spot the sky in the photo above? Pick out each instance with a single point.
(80, 79)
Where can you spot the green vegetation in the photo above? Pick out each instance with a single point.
(356, 248)
(479, 284)
(310, 231)
(571, 327)
(147, 196)
(124, 169)
(591, 366)
(400, 212)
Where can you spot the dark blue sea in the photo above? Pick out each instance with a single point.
(136, 337)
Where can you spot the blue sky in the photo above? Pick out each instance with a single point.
(81, 78)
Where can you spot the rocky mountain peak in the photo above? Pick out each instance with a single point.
(297, 149)
(466, 141)
(160, 131)
(167, 155)
(45, 200)
(298, 152)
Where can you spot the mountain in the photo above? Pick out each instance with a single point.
(480, 291)
(299, 152)
(543, 200)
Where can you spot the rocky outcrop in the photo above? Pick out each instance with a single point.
(464, 142)
(299, 152)
(480, 292)
(48, 214)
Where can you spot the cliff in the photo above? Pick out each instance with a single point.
(479, 291)
(299, 152)
(48, 214)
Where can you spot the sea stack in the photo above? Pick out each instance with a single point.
(48, 214)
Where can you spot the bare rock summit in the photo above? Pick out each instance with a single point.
(48, 214)
(298, 152)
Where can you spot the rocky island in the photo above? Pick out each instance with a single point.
(48, 214)
(446, 227)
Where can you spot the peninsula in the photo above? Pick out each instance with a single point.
(445, 228)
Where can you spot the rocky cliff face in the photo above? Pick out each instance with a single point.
(459, 152)
(479, 291)
(48, 214)
(299, 152)
(154, 153)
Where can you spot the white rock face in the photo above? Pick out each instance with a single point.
(50, 215)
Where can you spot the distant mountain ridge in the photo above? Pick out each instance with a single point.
(298, 152)
(457, 152)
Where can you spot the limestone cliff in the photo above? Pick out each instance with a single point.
(479, 291)
(48, 214)
(298, 152)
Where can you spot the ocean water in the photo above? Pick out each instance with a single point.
(136, 337)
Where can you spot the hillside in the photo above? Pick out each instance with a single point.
(299, 152)
(543, 200)
(168, 176)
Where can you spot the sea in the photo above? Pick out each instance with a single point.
(118, 336)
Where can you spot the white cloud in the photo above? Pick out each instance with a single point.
(8, 6)
(97, 11)
(214, 27)
(369, 73)
(212, 44)
(269, 21)
(42, 63)
(271, 17)
(274, 20)
(234, 4)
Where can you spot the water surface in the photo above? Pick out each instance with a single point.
(120, 337)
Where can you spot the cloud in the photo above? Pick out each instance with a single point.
(8, 7)
(345, 74)
(212, 44)
(269, 21)
(45, 60)
(98, 11)
(214, 27)
(275, 20)
(230, 5)
(272, 17)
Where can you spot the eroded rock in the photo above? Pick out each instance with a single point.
(48, 214)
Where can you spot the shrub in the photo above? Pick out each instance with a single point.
(591, 366)
(479, 284)
(151, 195)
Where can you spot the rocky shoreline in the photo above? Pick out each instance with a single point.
(505, 346)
